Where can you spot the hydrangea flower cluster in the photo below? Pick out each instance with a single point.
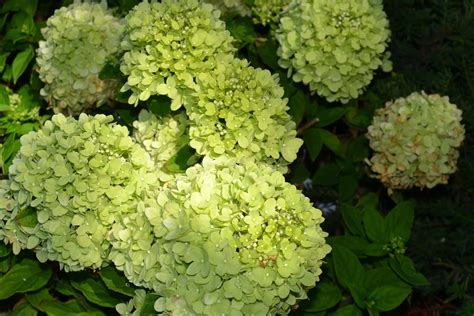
(416, 141)
(79, 40)
(80, 175)
(17, 111)
(238, 6)
(334, 46)
(161, 137)
(167, 43)
(239, 111)
(268, 11)
(229, 238)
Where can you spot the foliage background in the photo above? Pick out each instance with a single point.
(432, 47)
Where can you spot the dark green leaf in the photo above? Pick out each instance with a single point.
(4, 264)
(359, 118)
(10, 147)
(185, 157)
(405, 269)
(399, 220)
(299, 174)
(95, 291)
(349, 270)
(375, 250)
(298, 104)
(3, 60)
(4, 250)
(324, 296)
(28, 6)
(358, 149)
(374, 225)
(267, 53)
(387, 298)
(353, 219)
(382, 276)
(356, 244)
(326, 174)
(65, 288)
(25, 276)
(348, 310)
(111, 70)
(241, 28)
(27, 217)
(116, 282)
(313, 143)
(368, 200)
(21, 61)
(159, 105)
(24, 309)
(329, 115)
(347, 187)
(331, 141)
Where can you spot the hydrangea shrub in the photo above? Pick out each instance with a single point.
(231, 239)
(334, 46)
(167, 43)
(81, 176)
(416, 141)
(239, 111)
(78, 41)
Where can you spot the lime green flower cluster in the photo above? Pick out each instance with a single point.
(416, 141)
(81, 176)
(231, 5)
(167, 43)
(17, 111)
(239, 111)
(334, 46)
(268, 11)
(232, 239)
(79, 40)
(161, 137)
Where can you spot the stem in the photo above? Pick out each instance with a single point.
(309, 124)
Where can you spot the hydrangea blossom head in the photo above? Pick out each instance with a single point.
(334, 46)
(162, 137)
(79, 40)
(167, 43)
(239, 111)
(416, 141)
(80, 175)
(231, 238)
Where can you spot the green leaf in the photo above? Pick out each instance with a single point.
(26, 276)
(399, 220)
(348, 310)
(348, 268)
(160, 105)
(347, 187)
(387, 298)
(327, 116)
(5, 264)
(326, 174)
(353, 219)
(21, 61)
(24, 309)
(323, 297)
(10, 148)
(3, 60)
(376, 250)
(374, 225)
(267, 53)
(358, 149)
(405, 269)
(313, 143)
(368, 200)
(356, 244)
(111, 70)
(27, 217)
(65, 288)
(116, 282)
(28, 6)
(331, 141)
(184, 158)
(299, 174)
(4, 250)
(381, 276)
(95, 291)
(241, 28)
(298, 104)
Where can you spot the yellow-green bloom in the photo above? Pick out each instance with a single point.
(79, 40)
(167, 43)
(239, 111)
(334, 46)
(416, 141)
(80, 176)
(230, 238)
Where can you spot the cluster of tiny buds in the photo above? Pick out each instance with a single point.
(221, 129)
(343, 18)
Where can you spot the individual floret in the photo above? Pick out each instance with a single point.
(334, 46)
(416, 141)
(162, 137)
(239, 111)
(167, 43)
(232, 239)
(80, 176)
(79, 40)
